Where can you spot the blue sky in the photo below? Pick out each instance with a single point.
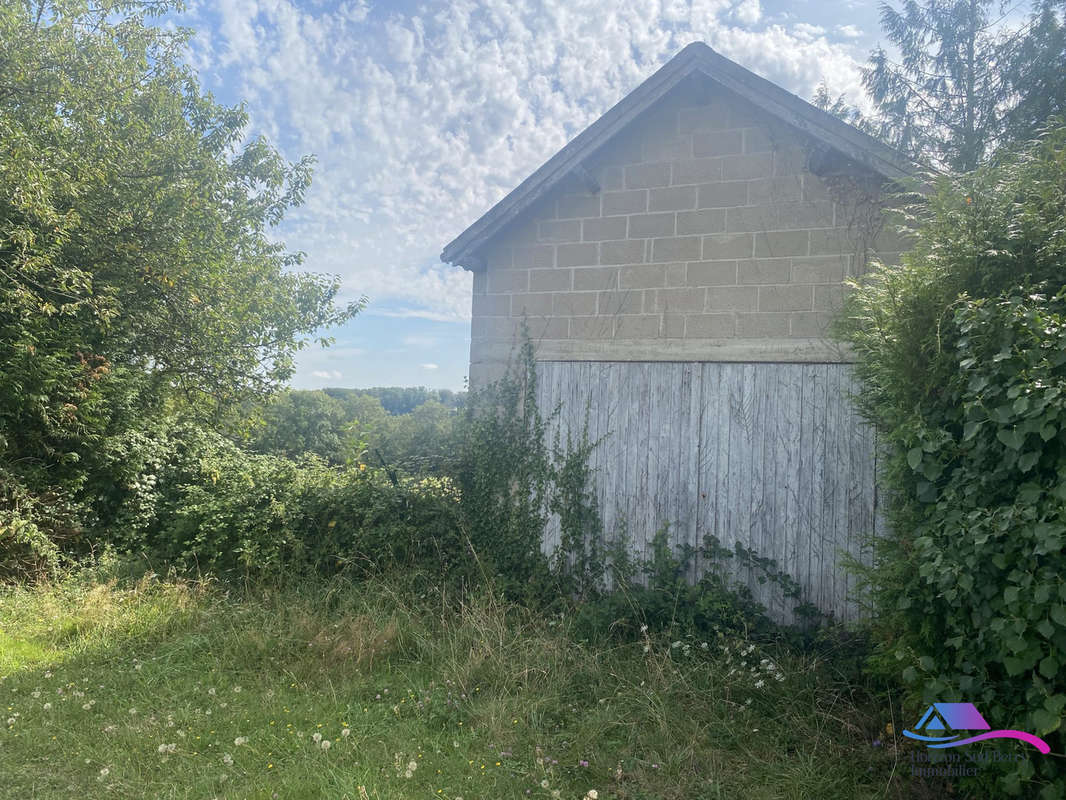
(422, 115)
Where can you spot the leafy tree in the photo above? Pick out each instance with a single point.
(963, 88)
(1035, 72)
(136, 269)
(962, 352)
(297, 422)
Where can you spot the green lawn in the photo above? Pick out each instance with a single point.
(170, 689)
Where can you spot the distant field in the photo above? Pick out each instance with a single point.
(174, 690)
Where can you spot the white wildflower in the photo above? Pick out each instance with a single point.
(86, 706)
(36, 694)
(317, 737)
(759, 684)
(240, 740)
(544, 784)
(167, 748)
(346, 732)
(412, 765)
(47, 706)
(227, 759)
(105, 772)
(10, 721)
(326, 744)
(212, 691)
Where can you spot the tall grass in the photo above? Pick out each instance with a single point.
(170, 688)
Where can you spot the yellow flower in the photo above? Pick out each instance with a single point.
(362, 467)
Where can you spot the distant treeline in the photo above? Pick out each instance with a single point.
(403, 399)
(401, 428)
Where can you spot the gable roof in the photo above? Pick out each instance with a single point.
(696, 58)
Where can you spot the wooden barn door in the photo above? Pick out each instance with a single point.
(771, 455)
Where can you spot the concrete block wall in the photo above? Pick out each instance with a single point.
(708, 239)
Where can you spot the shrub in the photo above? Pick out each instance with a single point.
(963, 354)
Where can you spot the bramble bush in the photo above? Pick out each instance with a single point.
(962, 351)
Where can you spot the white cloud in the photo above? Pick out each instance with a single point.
(321, 373)
(849, 31)
(429, 366)
(748, 11)
(422, 119)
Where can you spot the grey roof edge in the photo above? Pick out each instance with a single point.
(695, 57)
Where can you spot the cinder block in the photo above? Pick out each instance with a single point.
(709, 220)
(718, 143)
(677, 248)
(673, 326)
(627, 148)
(762, 325)
(764, 270)
(781, 243)
(757, 140)
(696, 170)
(732, 298)
(814, 188)
(548, 328)
(675, 274)
(690, 300)
(595, 278)
(789, 161)
(664, 148)
(712, 273)
(750, 218)
(703, 118)
(828, 298)
(534, 255)
(550, 280)
(646, 176)
(802, 214)
(571, 206)
(610, 178)
(481, 281)
(646, 226)
(591, 327)
(775, 190)
(819, 269)
(812, 325)
(643, 326)
(499, 257)
(832, 241)
(574, 304)
(597, 230)
(621, 302)
(539, 304)
(709, 326)
(727, 245)
(723, 194)
(626, 251)
(585, 254)
(631, 202)
(746, 167)
(786, 298)
(562, 230)
(672, 198)
(508, 280)
(642, 276)
(491, 305)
